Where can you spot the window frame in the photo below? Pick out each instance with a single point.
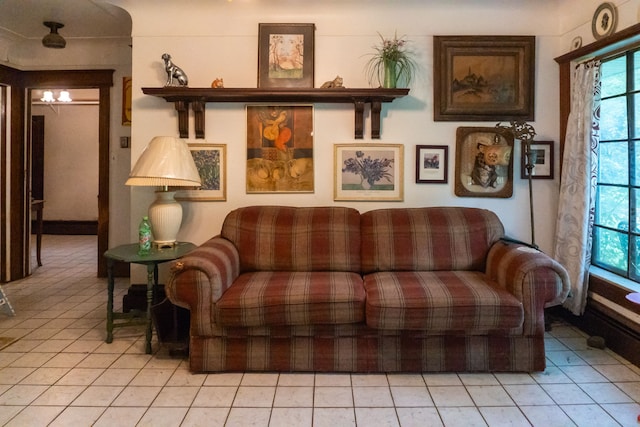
(601, 283)
(628, 95)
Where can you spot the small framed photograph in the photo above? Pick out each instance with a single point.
(211, 161)
(280, 149)
(483, 162)
(285, 55)
(483, 78)
(543, 161)
(432, 164)
(368, 172)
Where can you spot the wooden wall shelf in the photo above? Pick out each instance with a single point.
(182, 97)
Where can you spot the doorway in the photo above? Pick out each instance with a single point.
(65, 133)
(102, 80)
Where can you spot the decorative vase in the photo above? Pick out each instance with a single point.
(390, 74)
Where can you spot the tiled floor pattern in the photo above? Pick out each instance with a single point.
(62, 373)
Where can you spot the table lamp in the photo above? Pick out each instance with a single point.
(165, 162)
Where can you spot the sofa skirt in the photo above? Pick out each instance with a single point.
(406, 351)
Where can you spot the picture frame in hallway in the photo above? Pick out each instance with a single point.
(286, 55)
(432, 164)
(368, 172)
(483, 78)
(543, 163)
(126, 101)
(484, 166)
(280, 149)
(211, 162)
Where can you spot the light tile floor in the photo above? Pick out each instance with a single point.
(62, 373)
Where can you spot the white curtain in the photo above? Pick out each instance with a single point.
(576, 207)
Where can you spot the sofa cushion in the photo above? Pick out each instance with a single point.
(427, 239)
(292, 298)
(439, 301)
(281, 238)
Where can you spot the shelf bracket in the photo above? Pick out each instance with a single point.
(359, 116)
(182, 107)
(198, 112)
(376, 106)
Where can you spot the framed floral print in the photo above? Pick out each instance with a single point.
(368, 172)
(280, 149)
(211, 162)
(432, 164)
(285, 55)
(483, 162)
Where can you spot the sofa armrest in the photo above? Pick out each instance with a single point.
(535, 278)
(198, 280)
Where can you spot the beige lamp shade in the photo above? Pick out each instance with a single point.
(166, 161)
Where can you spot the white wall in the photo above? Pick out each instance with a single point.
(71, 161)
(577, 16)
(219, 39)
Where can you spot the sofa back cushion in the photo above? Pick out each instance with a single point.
(281, 238)
(428, 239)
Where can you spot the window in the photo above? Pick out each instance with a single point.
(616, 233)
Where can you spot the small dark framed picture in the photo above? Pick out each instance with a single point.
(432, 164)
(285, 55)
(542, 160)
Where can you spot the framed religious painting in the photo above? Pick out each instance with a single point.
(484, 167)
(483, 78)
(280, 149)
(285, 55)
(368, 172)
(211, 162)
(432, 164)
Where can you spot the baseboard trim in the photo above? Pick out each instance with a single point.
(620, 338)
(84, 228)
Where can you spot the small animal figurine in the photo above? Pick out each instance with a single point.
(174, 72)
(333, 84)
(217, 83)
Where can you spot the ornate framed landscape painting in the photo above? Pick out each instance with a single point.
(432, 164)
(368, 172)
(211, 161)
(483, 78)
(285, 55)
(280, 149)
(484, 167)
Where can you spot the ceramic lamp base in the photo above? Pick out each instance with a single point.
(165, 215)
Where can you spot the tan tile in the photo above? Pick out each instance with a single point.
(97, 396)
(59, 395)
(293, 397)
(120, 416)
(215, 397)
(158, 417)
(115, 376)
(286, 417)
(77, 416)
(35, 416)
(137, 396)
(176, 396)
(213, 417)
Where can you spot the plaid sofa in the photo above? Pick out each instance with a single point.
(389, 290)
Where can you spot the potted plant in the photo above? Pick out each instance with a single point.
(391, 63)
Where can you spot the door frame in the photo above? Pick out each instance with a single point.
(81, 79)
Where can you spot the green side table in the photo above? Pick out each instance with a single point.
(129, 254)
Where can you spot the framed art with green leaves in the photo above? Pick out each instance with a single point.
(211, 162)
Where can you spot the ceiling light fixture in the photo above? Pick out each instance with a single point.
(64, 96)
(47, 96)
(53, 39)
